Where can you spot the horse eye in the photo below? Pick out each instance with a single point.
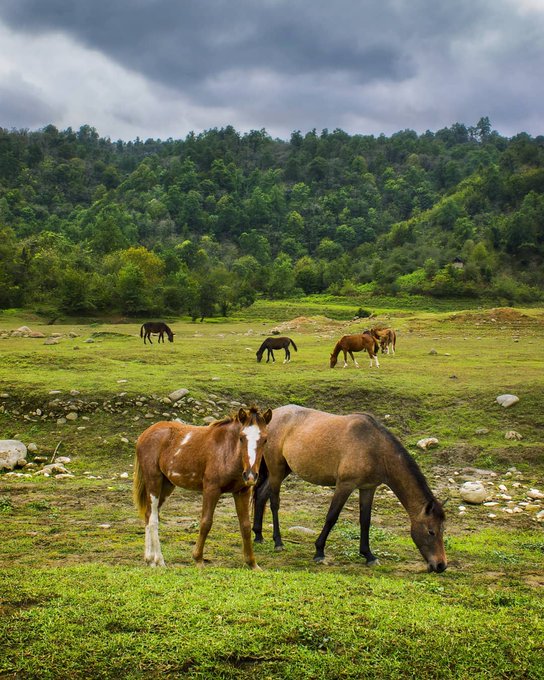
(431, 533)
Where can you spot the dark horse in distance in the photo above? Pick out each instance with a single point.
(271, 344)
(348, 453)
(156, 328)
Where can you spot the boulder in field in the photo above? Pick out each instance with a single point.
(12, 452)
(506, 400)
(427, 443)
(178, 394)
(473, 492)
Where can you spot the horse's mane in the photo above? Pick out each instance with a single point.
(412, 465)
(226, 420)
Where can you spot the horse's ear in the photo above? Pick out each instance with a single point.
(429, 508)
(267, 415)
(242, 416)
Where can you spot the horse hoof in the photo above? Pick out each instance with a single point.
(278, 548)
(258, 540)
(319, 559)
(254, 567)
(373, 563)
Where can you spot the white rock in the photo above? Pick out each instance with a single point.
(302, 530)
(11, 452)
(512, 434)
(473, 492)
(63, 460)
(507, 400)
(32, 447)
(51, 341)
(535, 494)
(540, 516)
(178, 394)
(124, 475)
(427, 443)
(71, 416)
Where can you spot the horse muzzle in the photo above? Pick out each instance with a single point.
(250, 478)
(437, 567)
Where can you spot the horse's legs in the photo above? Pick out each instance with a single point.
(373, 357)
(261, 493)
(353, 359)
(341, 495)
(153, 554)
(209, 501)
(287, 355)
(366, 496)
(241, 500)
(268, 353)
(149, 338)
(273, 357)
(346, 358)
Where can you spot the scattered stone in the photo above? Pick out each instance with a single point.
(64, 460)
(124, 475)
(36, 334)
(88, 340)
(32, 448)
(482, 430)
(51, 341)
(24, 329)
(433, 352)
(512, 434)
(12, 451)
(302, 530)
(535, 494)
(61, 421)
(540, 516)
(178, 394)
(209, 419)
(72, 334)
(427, 443)
(125, 440)
(71, 416)
(473, 492)
(506, 400)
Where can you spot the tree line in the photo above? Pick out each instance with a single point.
(203, 225)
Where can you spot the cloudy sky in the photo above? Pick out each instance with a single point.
(161, 68)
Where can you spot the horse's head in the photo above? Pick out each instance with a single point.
(171, 336)
(333, 361)
(259, 355)
(427, 532)
(253, 434)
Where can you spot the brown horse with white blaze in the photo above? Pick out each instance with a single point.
(355, 343)
(387, 338)
(347, 452)
(223, 457)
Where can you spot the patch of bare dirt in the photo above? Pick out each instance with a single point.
(309, 324)
(499, 315)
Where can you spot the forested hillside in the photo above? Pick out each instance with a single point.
(202, 225)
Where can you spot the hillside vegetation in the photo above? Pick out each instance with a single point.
(206, 224)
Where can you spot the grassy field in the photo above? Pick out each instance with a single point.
(77, 602)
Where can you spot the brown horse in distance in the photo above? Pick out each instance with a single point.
(387, 339)
(156, 327)
(347, 452)
(276, 342)
(223, 457)
(355, 343)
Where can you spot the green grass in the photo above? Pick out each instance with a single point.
(76, 602)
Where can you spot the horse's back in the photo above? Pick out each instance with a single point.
(321, 447)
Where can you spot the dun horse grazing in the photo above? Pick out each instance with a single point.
(273, 343)
(347, 452)
(156, 327)
(387, 339)
(215, 459)
(355, 343)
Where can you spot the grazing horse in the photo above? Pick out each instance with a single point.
(156, 327)
(223, 457)
(387, 339)
(271, 344)
(347, 452)
(355, 343)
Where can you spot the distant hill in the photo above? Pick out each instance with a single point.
(205, 224)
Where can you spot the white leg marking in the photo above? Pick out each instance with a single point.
(154, 557)
(356, 364)
(253, 435)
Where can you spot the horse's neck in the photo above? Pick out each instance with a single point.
(406, 485)
(336, 350)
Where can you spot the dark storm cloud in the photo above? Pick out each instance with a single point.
(288, 64)
(24, 104)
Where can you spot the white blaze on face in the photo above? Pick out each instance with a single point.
(253, 435)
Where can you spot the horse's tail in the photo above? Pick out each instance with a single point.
(139, 494)
(142, 330)
(394, 337)
(376, 345)
(294, 346)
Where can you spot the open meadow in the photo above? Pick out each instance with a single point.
(77, 601)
